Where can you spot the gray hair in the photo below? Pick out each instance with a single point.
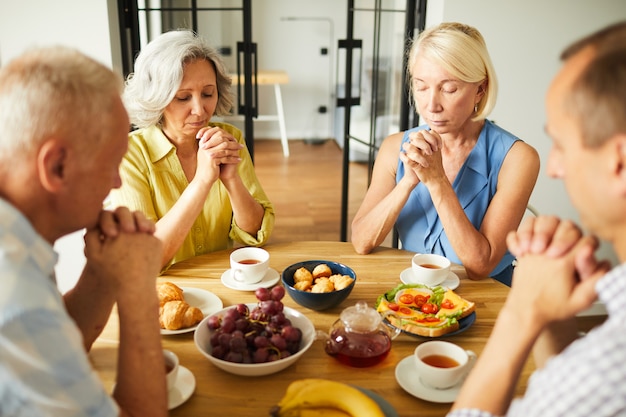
(159, 72)
(54, 91)
(461, 50)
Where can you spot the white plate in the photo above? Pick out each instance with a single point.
(452, 282)
(271, 277)
(181, 392)
(410, 381)
(205, 300)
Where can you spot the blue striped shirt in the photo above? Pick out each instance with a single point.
(44, 370)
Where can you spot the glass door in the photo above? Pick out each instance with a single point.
(372, 87)
(226, 23)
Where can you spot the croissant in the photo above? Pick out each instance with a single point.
(175, 315)
(168, 291)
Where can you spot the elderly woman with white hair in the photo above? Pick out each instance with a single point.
(193, 177)
(457, 184)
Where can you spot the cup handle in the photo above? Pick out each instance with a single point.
(471, 359)
(238, 275)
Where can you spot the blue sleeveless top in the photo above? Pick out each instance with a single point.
(419, 227)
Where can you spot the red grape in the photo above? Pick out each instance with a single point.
(278, 341)
(261, 355)
(291, 334)
(262, 294)
(261, 342)
(214, 322)
(254, 335)
(228, 325)
(237, 344)
(243, 310)
(277, 293)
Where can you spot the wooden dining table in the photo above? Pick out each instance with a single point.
(218, 393)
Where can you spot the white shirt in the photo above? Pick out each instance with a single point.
(589, 377)
(44, 370)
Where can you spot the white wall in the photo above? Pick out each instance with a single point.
(525, 39)
(84, 25)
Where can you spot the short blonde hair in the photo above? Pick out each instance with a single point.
(159, 72)
(461, 50)
(54, 91)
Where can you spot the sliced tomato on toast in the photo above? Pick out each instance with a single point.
(424, 311)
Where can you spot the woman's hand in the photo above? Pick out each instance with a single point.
(422, 154)
(218, 153)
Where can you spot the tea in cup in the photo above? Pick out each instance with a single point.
(249, 265)
(429, 269)
(171, 368)
(442, 364)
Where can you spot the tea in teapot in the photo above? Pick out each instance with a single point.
(359, 338)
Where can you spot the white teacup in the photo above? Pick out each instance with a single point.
(442, 364)
(249, 265)
(429, 269)
(171, 368)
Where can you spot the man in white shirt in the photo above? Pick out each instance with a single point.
(63, 133)
(557, 274)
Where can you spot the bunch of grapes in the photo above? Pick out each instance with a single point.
(260, 335)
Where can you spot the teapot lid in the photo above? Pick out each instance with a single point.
(360, 318)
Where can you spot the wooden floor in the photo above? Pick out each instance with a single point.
(305, 188)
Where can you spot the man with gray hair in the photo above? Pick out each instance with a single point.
(63, 133)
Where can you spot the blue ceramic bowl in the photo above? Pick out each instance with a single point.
(317, 301)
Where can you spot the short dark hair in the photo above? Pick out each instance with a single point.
(597, 98)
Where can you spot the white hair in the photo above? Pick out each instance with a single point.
(159, 72)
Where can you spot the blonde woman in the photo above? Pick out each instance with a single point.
(458, 184)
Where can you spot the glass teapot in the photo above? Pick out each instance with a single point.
(359, 338)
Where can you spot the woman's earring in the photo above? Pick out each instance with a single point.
(476, 108)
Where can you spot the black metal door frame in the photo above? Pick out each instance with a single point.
(247, 106)
(414, 20)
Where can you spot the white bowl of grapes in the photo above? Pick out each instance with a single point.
(255, 339)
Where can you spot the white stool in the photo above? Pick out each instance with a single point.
(275, 78)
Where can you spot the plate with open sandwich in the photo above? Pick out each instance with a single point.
(421, 311)
(181, 309)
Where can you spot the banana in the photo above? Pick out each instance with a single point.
(314, 394)
(315, 412)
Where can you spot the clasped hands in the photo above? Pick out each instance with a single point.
(556, 269)
(421, 156)
(221, 152)
(122, 251)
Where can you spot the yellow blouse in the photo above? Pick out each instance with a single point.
(153, 180)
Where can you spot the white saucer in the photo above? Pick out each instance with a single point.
(185, 385)
(410, 381)
(451, 282)
(271, 277)
(205, 300)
